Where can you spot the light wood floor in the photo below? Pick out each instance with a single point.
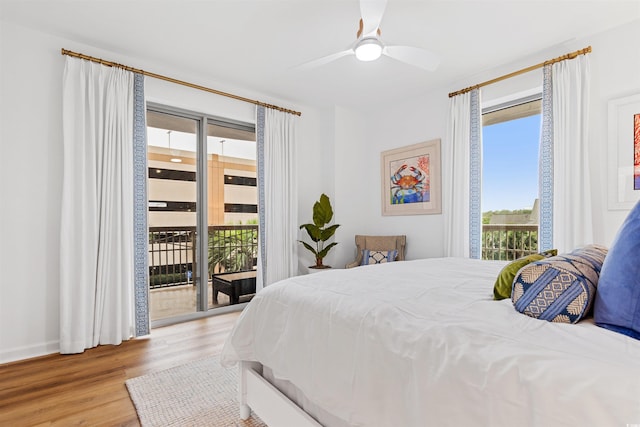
(88, 389)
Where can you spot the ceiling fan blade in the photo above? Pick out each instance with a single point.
(324, 60)
(371, 11)
(413, 56)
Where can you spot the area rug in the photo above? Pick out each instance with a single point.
(199, 393)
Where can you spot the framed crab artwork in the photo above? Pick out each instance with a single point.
(624, 152)
(411, 179)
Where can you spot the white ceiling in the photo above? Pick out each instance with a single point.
(256, 44)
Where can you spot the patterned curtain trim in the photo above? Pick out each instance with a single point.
(475, 178)
(546, 164)
(140, 230)
(260, 121)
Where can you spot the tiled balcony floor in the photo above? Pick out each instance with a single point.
(178, 300)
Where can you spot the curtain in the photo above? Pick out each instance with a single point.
(96, 233)
(277, 196)
(545, 178)
(572, 217)
(462, 188)
(140, 208)
(475, 178)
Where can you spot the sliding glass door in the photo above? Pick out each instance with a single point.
(172, 189)
(202, 182)
(233, 211)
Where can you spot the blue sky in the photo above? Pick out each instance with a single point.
(510, 164)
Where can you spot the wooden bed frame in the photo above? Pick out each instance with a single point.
(274, 408)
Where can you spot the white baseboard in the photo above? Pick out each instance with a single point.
(28, 352)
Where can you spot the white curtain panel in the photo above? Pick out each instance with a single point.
(572, 215)
(456, 181)
(96, 249)
(278, 252)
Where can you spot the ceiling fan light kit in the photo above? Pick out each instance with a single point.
(369, 46)
(368, 49)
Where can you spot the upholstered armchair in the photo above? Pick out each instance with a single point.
(378, 243)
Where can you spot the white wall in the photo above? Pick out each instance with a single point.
(338, 153)
(31, 183)
(615, 62)
(315, 167)
(615, 71)
(360, 140)
(351, 183)
(31, 172)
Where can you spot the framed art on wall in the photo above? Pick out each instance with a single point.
(411, 179)
(624, 152)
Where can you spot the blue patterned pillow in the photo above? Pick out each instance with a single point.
(561, 288)
(617, 305)
(504, 282)
(378, 257)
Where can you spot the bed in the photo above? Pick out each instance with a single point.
(423, 343)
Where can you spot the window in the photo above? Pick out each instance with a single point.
(510, 143)
(202, 176)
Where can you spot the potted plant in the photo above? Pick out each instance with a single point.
(319, 232)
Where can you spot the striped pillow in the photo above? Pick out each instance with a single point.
(561, 288)
(504, 282)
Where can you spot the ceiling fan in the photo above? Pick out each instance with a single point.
(369, 46)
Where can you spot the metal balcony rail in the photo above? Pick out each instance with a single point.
(234, 248)
(509, 241)
(172, 252)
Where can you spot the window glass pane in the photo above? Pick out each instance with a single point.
(172, 191)
(232, 212)
(510, 187)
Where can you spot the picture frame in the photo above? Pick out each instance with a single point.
(622, 135)
(411, 181)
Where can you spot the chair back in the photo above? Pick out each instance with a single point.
(379, 243)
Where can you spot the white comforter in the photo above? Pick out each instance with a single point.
(422, 343)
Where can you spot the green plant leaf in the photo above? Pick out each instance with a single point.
(323, 253)
(314, 232)
(322, 211)
(308, 246)
(322, 215)
(327, 233)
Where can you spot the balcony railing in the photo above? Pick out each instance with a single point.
(234, 248)
(509, 241)
(172, 252)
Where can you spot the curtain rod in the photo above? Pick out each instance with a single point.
(180, 82)
(524, 70)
